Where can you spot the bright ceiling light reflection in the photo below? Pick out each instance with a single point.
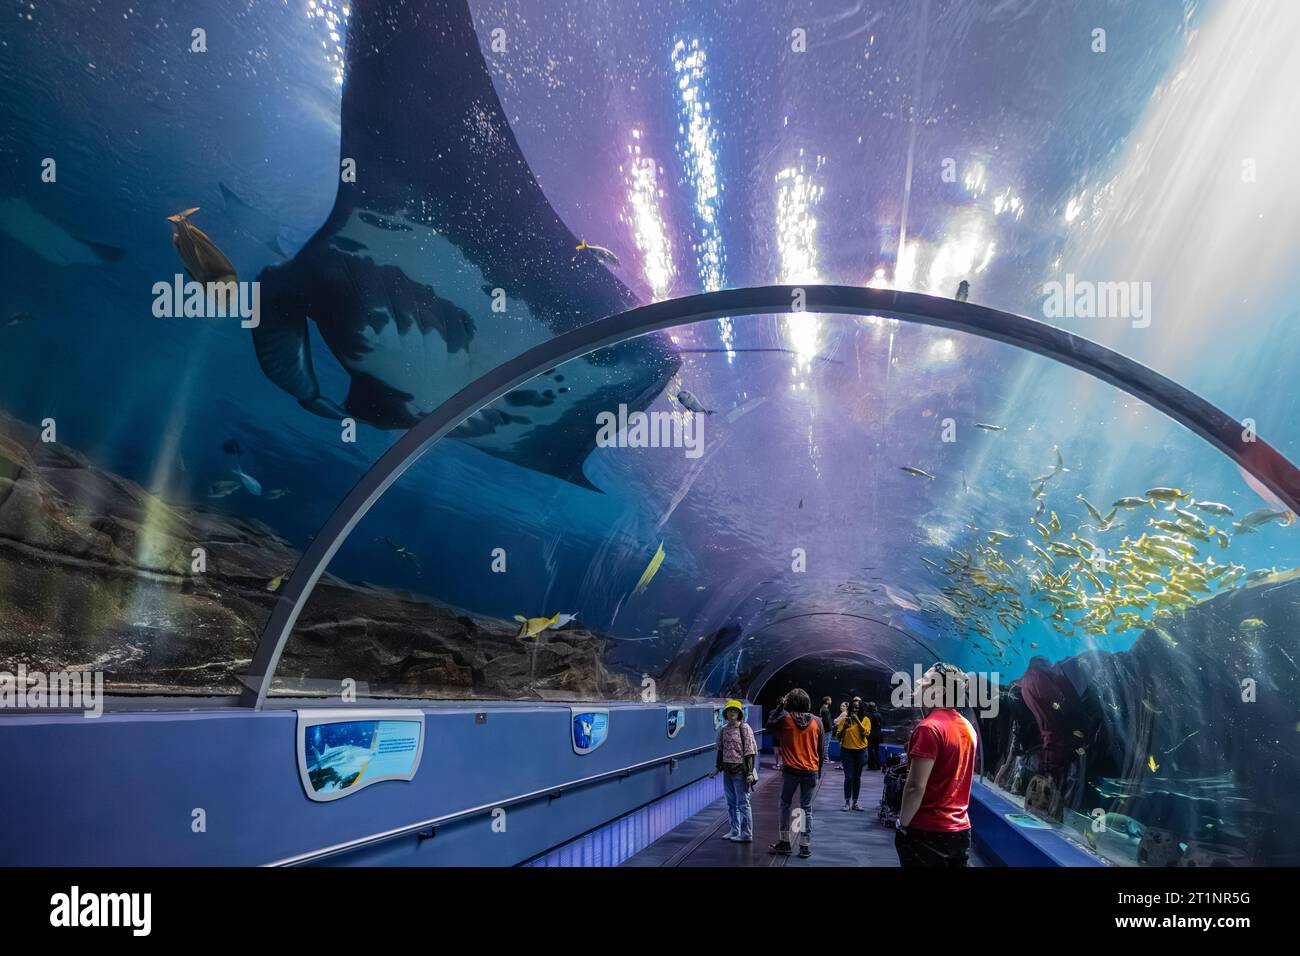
(942, 350)
(1007, 201)
(697, 145)
(966, 250)
(335, 19)
(1074, 207)
(643, 214)
(796, 238)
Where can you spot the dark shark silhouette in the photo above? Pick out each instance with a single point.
(443, 211)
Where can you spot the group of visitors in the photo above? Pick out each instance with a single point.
(933, 824)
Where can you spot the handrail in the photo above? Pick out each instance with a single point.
(314, 855)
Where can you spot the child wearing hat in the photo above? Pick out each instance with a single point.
(736, 751)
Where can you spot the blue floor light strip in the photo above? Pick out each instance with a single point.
(620, 839)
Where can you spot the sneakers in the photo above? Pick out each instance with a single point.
(743, 839)
(845, 807)
(858, 808)
(805, 852)
(780, 848)
(731, 836)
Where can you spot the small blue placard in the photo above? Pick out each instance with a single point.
(676, 721)
(590, 728)
(340, 753)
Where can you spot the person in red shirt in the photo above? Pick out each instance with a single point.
(933, 827)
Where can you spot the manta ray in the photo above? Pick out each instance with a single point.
(443, 218)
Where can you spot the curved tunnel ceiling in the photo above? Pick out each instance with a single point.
(909, 609)
(696, 183)
(710, 148)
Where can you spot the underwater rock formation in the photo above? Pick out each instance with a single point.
(95, 574)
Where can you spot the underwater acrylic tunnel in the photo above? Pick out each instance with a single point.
(531, 433)
(1254, 455)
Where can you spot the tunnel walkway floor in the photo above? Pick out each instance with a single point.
(839, 837)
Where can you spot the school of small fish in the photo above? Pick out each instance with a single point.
(1079, 585)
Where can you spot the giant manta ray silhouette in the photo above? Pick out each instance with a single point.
(443, 210)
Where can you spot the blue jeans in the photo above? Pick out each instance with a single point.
(805, 782)
(852, 760)
(738, 809)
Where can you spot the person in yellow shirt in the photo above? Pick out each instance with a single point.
(853, 730)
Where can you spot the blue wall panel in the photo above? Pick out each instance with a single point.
(120, 790)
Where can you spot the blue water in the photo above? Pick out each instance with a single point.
(818, 166)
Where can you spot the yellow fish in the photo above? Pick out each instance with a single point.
(275, 582)
(1151, 762)
(650, 570)
(532, 626)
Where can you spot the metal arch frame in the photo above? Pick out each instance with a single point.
(1218, 428)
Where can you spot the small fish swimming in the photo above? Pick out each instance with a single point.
(18, 318)
(49, 240)
(650, 571)
(1167, 494)
(563, 619)
(202, 259)
(405, 554)
(1059, 467)
(599, 253)
(220, 489)
(275, 582)
(963, 291)
(691, 403)
(916, 471)
(1212, 507)
(989, 428)
(1151, 762)
(532, 626)
(1096, 515)
(1132, 502)
(232, 447)
(251, 484)
(276, 493)
(1260, 517)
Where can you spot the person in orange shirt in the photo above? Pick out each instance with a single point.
(799, 739)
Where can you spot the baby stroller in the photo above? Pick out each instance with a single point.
(891, 800)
